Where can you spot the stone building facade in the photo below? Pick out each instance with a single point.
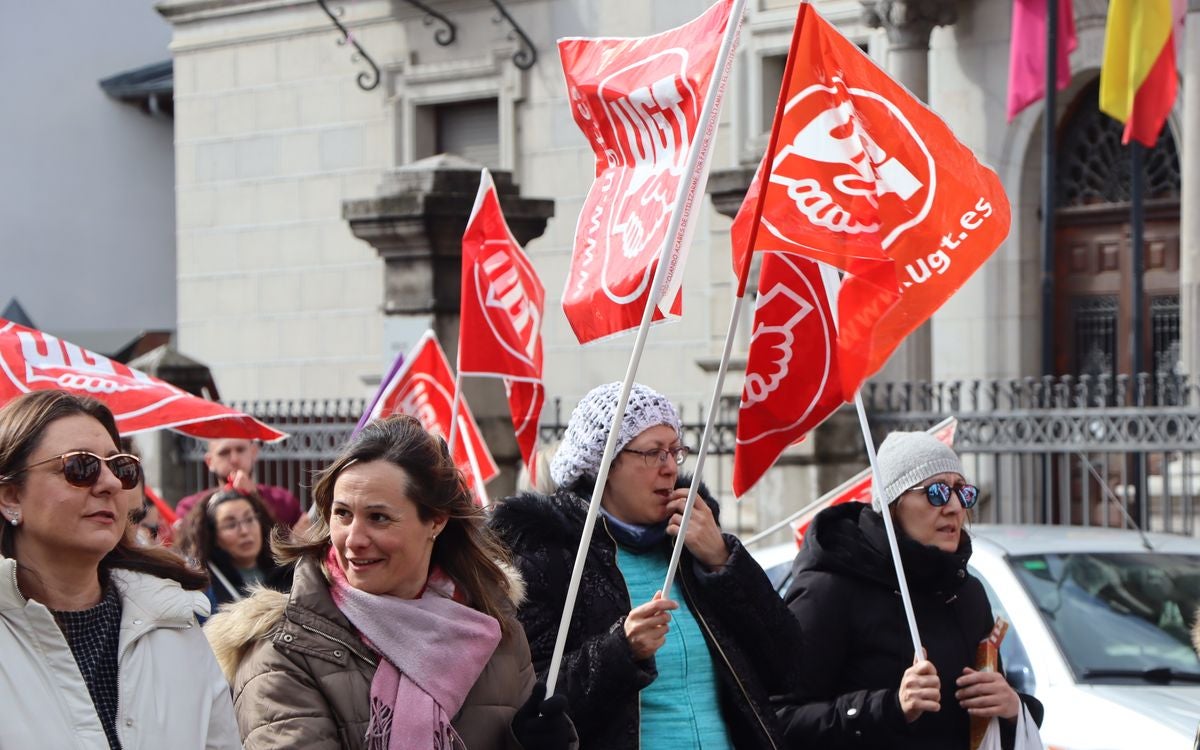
(280, 151)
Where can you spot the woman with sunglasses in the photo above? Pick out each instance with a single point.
(398, 632)
(860, 686)
(95, 629)
(229, 536)
(690, 668)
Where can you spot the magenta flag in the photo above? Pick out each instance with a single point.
(1027, 56)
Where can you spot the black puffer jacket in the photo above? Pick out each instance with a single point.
(751, 636)
(856, 644)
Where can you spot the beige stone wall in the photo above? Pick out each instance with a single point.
(992, 327)
(272, 134)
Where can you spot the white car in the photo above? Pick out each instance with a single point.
(1100, 629)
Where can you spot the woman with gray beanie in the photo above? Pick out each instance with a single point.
(860, 686)
(689, 668)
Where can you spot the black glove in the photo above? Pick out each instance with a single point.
(543, 724)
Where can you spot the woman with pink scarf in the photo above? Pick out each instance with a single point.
(399, 630)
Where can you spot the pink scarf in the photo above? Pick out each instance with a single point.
(433, 649)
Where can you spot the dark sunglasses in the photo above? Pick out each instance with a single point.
(938, 493)
(82, 468)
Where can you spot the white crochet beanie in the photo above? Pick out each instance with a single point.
(908, 458)
(582, 445)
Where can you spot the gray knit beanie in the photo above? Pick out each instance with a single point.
(582, 445)
(908, 458)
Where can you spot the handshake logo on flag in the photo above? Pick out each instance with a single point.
(836, 172)
(649, 107)
(645, 130)
(778, 314)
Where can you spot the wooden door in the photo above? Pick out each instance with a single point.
(1093, 290)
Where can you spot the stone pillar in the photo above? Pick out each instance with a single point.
(416, 222)
(1189, 240)
(908, 24)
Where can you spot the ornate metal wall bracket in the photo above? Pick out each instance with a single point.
(526, 56)
(366, 81)
(444, 36)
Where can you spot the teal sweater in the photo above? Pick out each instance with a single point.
(681, 708)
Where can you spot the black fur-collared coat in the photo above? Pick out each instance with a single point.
(752, 636)
(856, 642)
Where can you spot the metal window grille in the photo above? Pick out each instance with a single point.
(1095, 323)
(1086, 450)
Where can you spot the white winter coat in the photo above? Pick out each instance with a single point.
(172, 693)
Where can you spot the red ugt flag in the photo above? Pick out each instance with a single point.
(639, 101)
(500, 329)
(423, 387)
(864, 177)
(792, 382)
(525, 401)
(502, 297)
(36, 361)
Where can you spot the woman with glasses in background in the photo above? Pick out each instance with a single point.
(398, 632)
(228, 535)
(96, 630)
(688, 668)
(860, 685)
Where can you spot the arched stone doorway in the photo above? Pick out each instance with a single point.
(1092, 281)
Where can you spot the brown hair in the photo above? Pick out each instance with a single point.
(198, 532)
(23, 421)
(466, 549)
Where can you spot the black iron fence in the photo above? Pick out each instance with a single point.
(1107, 451)
(316, 429)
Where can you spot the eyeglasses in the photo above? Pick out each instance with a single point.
(233, 525)
(82, 468)
(658, 456)
(938, 493)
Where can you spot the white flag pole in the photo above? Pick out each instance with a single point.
(476, 474)
(829, 276)
(827, 497)
(698, 151)
(743, 275)
(713, 406)
(589, 524)
(454, 413)
(485, 183)
(905, 596)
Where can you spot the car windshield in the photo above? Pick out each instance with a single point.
(1119, 615)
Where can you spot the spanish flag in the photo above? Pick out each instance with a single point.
(1138, 79)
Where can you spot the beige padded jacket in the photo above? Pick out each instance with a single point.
(301, 677)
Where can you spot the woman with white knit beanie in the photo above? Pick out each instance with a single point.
(688, 668)
(860, 686)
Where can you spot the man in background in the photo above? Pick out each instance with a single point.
(232, 461)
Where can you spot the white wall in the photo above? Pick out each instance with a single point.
(87, 211)
(273, 134)
(275, 294)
